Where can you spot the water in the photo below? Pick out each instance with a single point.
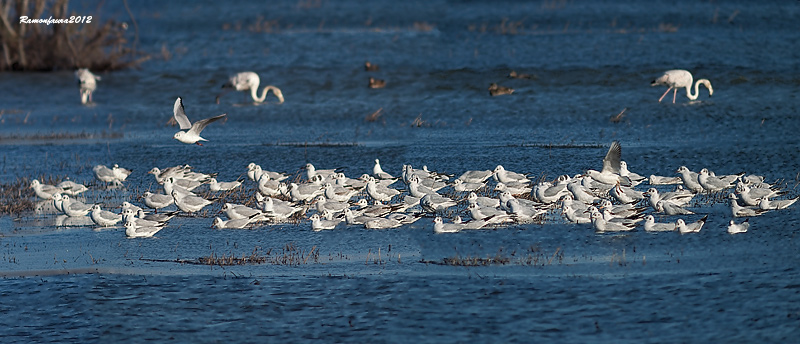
(590, 61)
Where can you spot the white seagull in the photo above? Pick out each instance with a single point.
(104, 218)
(611, 168)
(679, 78)
(736, 228)
(192, 135)
(693, 227)
(134, 231)
(650, 225)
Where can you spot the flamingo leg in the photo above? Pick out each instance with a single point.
(663, 95)
(674, 94)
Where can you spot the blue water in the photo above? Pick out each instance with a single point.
(590, 60)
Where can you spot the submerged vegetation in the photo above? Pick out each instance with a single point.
(83, 42)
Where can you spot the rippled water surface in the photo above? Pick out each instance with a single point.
(590, 60)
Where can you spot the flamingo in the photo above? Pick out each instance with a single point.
(678, 78)
(88, 83)
(249, 81)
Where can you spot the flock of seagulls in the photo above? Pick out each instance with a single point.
(607, 199)
(611, 199)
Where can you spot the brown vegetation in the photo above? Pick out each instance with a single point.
(99, 46)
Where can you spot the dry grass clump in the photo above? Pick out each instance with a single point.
(535, 256)
(289, 255)
(16, 197)
(99, 46)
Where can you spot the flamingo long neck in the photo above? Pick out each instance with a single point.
(276, 91)
(694, 96)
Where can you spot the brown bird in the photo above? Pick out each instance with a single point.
(369, 67)
(496, 90)
(515, 75)
(376, 83)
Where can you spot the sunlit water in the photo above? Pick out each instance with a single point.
(590, 61)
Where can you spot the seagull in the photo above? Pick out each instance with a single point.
(679, 78)
(129, 205)
(504, 176)
(238, 211)
(104, 218)
(249, 81)
(513, 188)
(338, 193)
(693, 227)
(601, 225)
(88, 83)
(184, 186)
(611, 168)
(134, 231)
(318, 224)
(546, 192)
(580, 193)
(74, 208)
(44, 191)
(378, 172)
(312, 172)
(304, 192)
(661, 180)
(435, 202)
(157, 201)
(574, 215)
(689, 179)
(495, 215)
(129, 215)
(461, 186)
(105, 174)
(156, 217)
(736, 228)
(523, 214)
(216, 186)
(440, 227)
(254, 172)
(740, 211)
(279, 211)
(669, 208)
(766, 204)
(189, 203)
(650, 225)
(751, 195)
(120, 173)
(635, 178)
(417, 190)
(71, 188)
(484, 201)
(231, 224)
(476, 176)
(383, 194)
(353, 219)
(192, 135)
(268, 186)
(474, 224)
(679, 197)
(321, 203)
(626, 195)
(714, 184)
